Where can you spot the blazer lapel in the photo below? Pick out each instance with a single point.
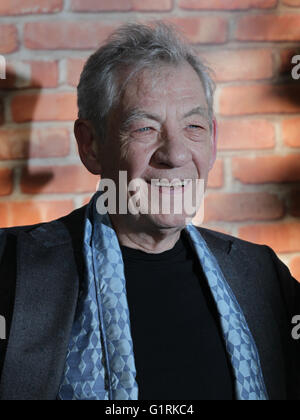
(45, 303)
(247, 278)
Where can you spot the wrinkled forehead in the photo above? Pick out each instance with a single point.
(164, 82)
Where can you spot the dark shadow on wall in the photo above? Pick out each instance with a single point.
(285, 74)
(19, 142)
(290, 95)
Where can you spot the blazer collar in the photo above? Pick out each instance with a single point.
(246, 270)
(49, 266)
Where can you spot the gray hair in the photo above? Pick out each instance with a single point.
(134, 46)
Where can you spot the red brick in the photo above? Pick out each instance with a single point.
(295, 203)
(45, 107)
(246, 134)
(21, 213)
(42, 74)
(36, 143)
(58, 35)
(216, 176)
(216, 228)
(260, 99)
(86, 200)
(226, 4)
(8, 39)
(292, 3)
(282, 238)
(242, 206)
(291, 132)
(121, 5)
(152, 5)
(25, 7)
(6, 181)
(265, 169)
(269, 28)
(295, 268)
(58, 179)
(74, 69)
(202, 29)
(101, 5)
(229, 65)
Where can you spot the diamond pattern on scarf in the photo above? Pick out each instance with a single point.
(109, 266)
(238, 338)
(100, 362)
(84, 375)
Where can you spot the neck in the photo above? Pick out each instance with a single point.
(150, 239)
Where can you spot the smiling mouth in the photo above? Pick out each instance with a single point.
(169, 186)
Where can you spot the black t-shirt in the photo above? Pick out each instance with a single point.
(178, 346)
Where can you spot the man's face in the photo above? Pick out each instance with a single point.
(160, 130)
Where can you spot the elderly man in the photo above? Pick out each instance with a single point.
(112, 305)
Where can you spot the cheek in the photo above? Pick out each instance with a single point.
(202, 158)
(135, 160)
(203, 168)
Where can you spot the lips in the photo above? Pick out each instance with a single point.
(171, 187)
(163, 182)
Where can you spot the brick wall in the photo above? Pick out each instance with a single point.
(254, 187)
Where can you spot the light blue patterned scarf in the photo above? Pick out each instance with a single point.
(100, 360)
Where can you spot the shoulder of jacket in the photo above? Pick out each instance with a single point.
(212, 235)
(69, 219)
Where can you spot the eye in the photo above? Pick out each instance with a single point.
(194, 126)
(146, 133)
(143, 130)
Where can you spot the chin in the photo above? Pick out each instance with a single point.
(169, 221)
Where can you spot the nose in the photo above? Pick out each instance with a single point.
(172, 151)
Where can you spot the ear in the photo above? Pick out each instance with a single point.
(214, 143)
(87, 142)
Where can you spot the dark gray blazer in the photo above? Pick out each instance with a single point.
(40, 271)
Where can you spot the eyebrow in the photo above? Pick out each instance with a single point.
(197, 111)
(136, 114)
